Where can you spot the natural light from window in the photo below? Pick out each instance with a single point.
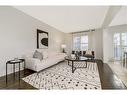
(80, 42)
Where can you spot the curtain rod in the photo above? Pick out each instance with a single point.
(84, 31)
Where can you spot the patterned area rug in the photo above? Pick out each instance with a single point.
(61, 77)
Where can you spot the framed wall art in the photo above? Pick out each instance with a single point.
(42, 39)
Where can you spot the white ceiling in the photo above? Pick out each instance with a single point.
(120, 18)
(68, 18)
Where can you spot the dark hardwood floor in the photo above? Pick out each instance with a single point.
(14, 83)
(108, 79)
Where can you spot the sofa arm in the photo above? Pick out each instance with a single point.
(31, 63)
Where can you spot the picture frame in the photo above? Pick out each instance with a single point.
(42, 39)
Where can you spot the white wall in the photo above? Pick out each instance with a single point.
(98, 43)
(107, 45)
(108, 51)
(18, 35)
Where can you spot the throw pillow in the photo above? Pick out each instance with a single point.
(88, 52)
(38, 55)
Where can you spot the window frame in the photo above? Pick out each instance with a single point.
(81, 43)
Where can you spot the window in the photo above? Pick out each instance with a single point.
(84, 43)
(80, 42)
(76, 43)
(120, 45)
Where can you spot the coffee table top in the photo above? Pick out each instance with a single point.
(80, 58)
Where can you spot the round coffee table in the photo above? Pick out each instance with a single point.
(77, 59)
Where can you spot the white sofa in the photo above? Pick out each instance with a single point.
(49, 58)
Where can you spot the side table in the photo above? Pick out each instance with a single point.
(14, 62)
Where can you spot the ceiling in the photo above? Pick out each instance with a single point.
(68, 18)
(120, 18)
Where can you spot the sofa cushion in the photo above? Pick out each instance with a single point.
(88, 56)
(53, 54)
(45, 54)
(38, 55)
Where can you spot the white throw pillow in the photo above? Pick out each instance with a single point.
(44, 52)
(38, 55)
(89, 52)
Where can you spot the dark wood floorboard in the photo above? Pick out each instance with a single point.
(108, 79)
(13, 83)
